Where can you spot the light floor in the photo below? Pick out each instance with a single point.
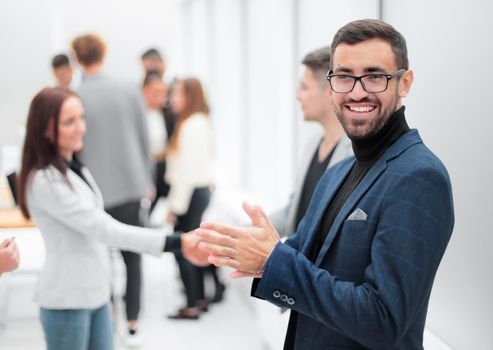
(229, 325)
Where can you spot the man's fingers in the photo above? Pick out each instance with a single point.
(262, 212)
(223, 229)
(217, 250)
(263, 219)
(242, 274)
(254, 214)
(222, 261)
(214, 237)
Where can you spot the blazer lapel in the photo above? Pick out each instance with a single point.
(360, 190)
(83, 188)
(338, 176)
(94, 186)
(403, 143)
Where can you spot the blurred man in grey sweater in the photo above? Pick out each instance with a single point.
(117, 151)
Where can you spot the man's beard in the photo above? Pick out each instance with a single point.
(372, 127)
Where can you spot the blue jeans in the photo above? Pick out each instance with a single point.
(78, 329)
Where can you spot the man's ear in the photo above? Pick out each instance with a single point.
(405, 83)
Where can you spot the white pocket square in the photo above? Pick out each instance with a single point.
(357, 215)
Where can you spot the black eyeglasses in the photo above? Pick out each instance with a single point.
(375, 82)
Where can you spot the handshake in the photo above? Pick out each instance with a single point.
(245, 249)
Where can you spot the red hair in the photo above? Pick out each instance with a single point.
(41, 141)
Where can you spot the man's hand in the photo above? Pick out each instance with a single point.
(9, 256)
(191, 251)
(245, 249)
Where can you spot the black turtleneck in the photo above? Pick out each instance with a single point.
(367, 151)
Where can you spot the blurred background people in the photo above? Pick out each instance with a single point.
(154, 67)
(155, 94)
(316, 103)
(189, 173)
(153, 61)
(117, 152)
(62, 70)
(60, 194)
(9, 256)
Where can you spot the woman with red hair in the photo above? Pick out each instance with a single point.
(59, 193)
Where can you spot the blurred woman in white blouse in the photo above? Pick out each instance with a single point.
(189, 163)
(155, 92)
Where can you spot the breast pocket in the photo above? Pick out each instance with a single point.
(350, 254)
(356, 233)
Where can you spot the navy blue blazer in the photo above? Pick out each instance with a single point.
(371, 282)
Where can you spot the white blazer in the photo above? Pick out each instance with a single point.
(77, 233)
(284, 220)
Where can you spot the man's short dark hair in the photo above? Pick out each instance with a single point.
(151, 53)
(60, 60)
(319, 62)
(366, 29)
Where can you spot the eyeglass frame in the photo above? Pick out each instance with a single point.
(397, 74)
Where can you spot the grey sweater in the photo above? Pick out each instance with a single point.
(116, 145)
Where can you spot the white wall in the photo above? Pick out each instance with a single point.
(247, 54)
(256, 48)
(451, 52)
(31, 32)
(23, 63)
(318, 22)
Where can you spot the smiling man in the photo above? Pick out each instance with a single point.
(358, 272)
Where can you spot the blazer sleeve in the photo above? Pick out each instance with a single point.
(414, 226)
(57, 202)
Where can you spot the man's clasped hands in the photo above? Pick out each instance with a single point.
(245, 249)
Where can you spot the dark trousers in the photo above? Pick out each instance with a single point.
(191, 275)
(162, 188)
(128, 213)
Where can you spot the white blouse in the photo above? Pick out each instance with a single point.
(157, 131)
(190, 165)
